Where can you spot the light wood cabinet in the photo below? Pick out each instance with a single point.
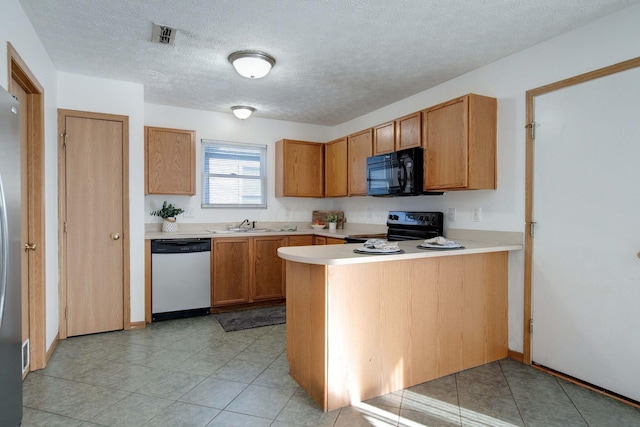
(319, 240)
(409, 131)
(299, 168)
(334, 241)
(384, 138)
(460, 144)
(230, 271)
(360, 147)
(170, 161)
(304, 240)
(400, 134)
(335, 158)
(268, 268)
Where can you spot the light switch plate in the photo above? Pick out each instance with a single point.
(476, 214)
(451, 214)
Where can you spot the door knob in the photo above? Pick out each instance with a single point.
(28, 247)
(638, 254)
(115, 236)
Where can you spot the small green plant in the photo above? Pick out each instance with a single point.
(167, 211)
(332, 217)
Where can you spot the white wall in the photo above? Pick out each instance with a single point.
(77, 92)
(16, 29)
(602, 43)
(226, 127)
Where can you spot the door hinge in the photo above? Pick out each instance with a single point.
(66, 312)
(531, 326)
(65, 226)
(532, 126)
(64, 138)
(532, 228)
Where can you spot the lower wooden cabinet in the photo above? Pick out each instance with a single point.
(322, 240)
(268, 268)
(230, 271)
(245, 270)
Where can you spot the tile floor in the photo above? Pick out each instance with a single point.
(190, 372)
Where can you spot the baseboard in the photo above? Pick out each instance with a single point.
(137, 325)
(50, 350)
(517, 356)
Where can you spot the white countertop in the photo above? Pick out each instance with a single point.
(343, 254)
(338, 234)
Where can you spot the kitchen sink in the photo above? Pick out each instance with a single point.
(252, 230)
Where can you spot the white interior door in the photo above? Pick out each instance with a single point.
(586, 270)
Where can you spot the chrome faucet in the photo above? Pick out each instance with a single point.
(246, 221)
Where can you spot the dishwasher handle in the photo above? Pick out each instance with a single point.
(176, 246)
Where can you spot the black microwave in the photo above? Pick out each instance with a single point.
(396, 174)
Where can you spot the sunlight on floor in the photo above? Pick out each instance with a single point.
(426, 405)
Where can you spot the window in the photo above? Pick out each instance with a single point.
(234, 175)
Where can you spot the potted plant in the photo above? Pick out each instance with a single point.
(332, 219)
(168, 213)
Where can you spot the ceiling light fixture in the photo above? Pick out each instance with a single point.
(242, 111)
(251, 63)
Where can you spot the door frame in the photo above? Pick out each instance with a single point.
(530, 118)
(22, 75)
(62, 213)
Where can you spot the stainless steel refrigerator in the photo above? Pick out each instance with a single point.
(10, 252)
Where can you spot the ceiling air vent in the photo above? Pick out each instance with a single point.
(163, 34)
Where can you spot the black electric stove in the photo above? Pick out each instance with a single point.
(405, 225)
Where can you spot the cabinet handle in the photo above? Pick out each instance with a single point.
(115, 236)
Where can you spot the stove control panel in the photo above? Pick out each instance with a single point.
(428, 219)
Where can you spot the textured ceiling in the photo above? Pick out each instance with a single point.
(336, 59)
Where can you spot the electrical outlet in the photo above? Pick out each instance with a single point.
(188, 213)
(451, 214)
(287, 212)
(476, 214)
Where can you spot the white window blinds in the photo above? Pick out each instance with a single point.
(234, 175)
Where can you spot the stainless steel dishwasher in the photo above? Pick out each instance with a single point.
(180, 278)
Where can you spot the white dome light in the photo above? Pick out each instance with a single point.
(242, 111)
(252, 64)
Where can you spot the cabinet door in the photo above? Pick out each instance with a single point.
(268, 268)
(384, 137)
(231, 271)
(319, 240)
(409, 131)
(306, 240)
(170, 161)
(299, 169)
(334, 241)
(360, 147)
(460, 144)
(335, 153)
(445, 143)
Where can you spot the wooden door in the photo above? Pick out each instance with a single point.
(19, 93)
(585, 266)
(94, 221)
(29, 92)
(445, 137)
(336, 168)
(360, 147)
(299, 169)
(231, 271)
(268, 279)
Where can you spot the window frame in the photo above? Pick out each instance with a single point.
(262, 177)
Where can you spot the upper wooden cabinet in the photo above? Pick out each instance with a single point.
(360, 146)
(460, 144)
(384, 138)
(402, 133)
(335, 158)
(170, 161)
(299, 168)
(409, 131)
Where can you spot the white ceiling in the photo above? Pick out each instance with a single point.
(336, 59)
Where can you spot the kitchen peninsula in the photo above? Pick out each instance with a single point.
(360, 326)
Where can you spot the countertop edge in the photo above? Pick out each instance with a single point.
(344, 255)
